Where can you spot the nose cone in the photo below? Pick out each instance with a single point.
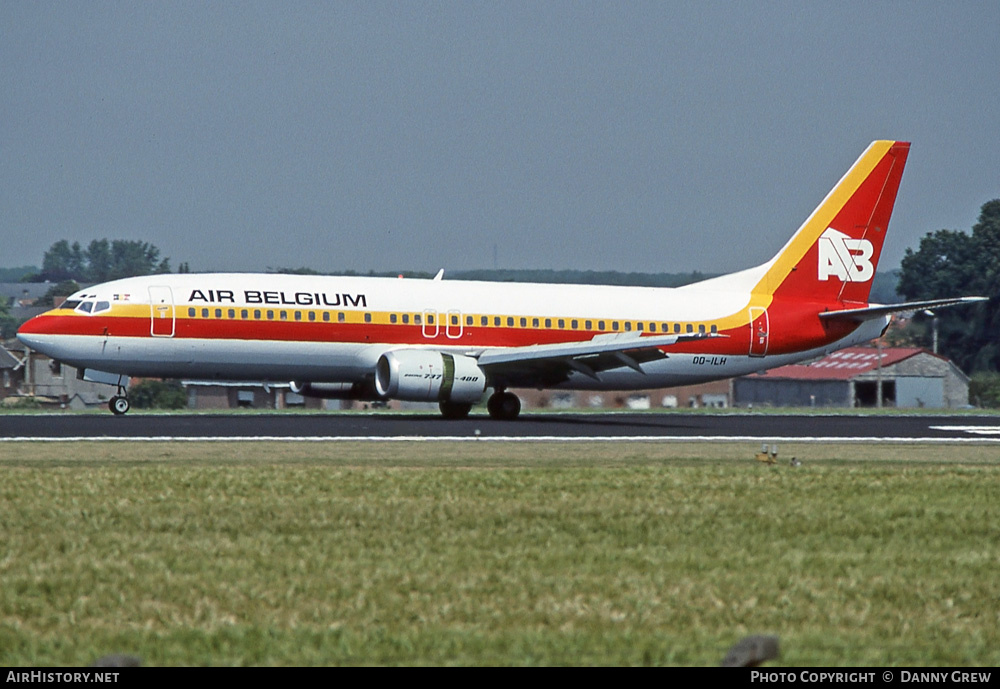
(37, 333)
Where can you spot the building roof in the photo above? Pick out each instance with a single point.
(24, 290)
(844, 364)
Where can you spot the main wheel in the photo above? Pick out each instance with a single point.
(118, 405)
(454, 410)
(504, 406)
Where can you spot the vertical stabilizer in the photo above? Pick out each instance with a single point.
(832, 258)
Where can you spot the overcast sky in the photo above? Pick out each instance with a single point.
(632, 136)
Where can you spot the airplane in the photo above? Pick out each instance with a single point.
(435, 340)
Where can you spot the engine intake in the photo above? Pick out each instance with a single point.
(426, 375)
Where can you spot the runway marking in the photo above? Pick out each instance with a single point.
(526, 439)
(976, 430)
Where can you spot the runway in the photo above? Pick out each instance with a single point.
(678, 427)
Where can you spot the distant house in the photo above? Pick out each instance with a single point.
(22, 297)
(245, 395)
(713, 394)
(27, 373)
(9, 366)
(853, 377)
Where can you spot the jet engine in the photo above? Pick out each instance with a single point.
(426, 375)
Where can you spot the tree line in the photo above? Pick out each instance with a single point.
(952, 263)
(101, 261)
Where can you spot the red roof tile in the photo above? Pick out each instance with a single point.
(843, 365)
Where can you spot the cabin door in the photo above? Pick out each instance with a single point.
(758, 331)
(161, 312)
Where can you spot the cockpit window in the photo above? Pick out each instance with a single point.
(70, 304)
(92, 307)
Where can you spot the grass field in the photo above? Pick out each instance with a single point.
(490, 553)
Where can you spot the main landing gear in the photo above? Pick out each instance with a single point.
(454, 410)
(503, 405)
(119, 403)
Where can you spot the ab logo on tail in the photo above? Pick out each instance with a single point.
(848, 260)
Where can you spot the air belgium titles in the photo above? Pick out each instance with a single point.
(253, 296)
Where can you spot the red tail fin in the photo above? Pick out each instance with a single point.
(833, 256)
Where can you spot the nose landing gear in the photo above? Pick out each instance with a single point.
(119, 403)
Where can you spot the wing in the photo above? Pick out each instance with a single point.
(551, 364)
(871, 312)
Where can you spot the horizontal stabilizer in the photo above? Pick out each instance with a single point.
(872, 312)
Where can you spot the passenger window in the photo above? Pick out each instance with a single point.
(496, 320)
(574, 324)
(690, 328)
(392, 318)
(524, 322)
(548, 322)
(406, 318)
(600, 325)
(701, 328)
(417, 319)
(510, 321)
(204, 312)
(283, 315)
(244, 314)
(326, 316)
(534, 322)
(614, 326)
(298, 315)
(256, 314)
(191, 312)
(469, 320)
(588, 325)
(368, 318)
(715, 328)
(270, 314)
(232, 313)
(628, 325)
(218, 313)
(341, 317)
(652, 327)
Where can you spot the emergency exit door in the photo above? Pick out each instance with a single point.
(161, 312)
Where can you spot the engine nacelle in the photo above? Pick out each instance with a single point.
(426, 375)
(333, 391)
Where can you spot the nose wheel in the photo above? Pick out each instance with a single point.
(119, 405)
